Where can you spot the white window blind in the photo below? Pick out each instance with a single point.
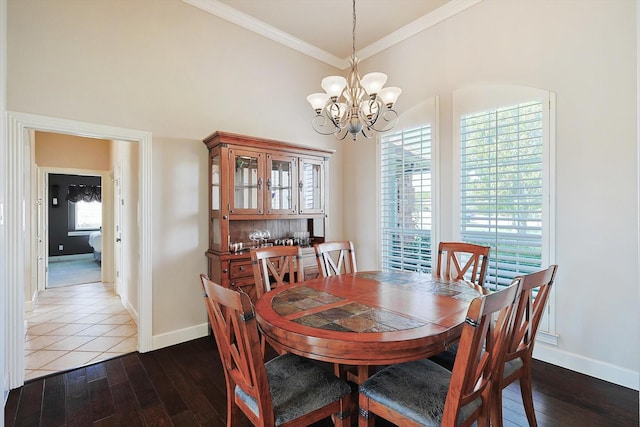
(405, 200)
(501, 187)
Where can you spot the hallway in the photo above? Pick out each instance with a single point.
(72, 326)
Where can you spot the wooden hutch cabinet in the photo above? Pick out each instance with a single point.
(261, 184)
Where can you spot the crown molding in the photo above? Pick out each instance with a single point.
(427, 21)
(232, 15)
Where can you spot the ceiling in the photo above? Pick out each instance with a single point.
(323, 28)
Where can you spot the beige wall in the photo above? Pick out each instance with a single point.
(168, 68)
(180, 73)
(125, 156)
(68, 151)
(585, 52)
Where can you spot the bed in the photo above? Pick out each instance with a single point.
(95, 241)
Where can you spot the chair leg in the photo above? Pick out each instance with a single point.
(485, 419)
(344, 417)
(496, 406)
(365, 417)
(527, 396)
(233, 411)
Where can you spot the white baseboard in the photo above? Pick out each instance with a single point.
(5, 390)
(594, 368)
(180, 336)
(131, 309)
(75, 257)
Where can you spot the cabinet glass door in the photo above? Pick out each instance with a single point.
(215, 238)
(281, 184)
(246, 182)
(311, 186)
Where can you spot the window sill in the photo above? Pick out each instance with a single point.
(547, 338)
(81, 232)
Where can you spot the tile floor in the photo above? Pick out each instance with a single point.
(76, 325)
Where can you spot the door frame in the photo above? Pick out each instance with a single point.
(19, 211)
(42, 228)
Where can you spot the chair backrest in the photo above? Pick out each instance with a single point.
(455, 259)
(480, 351)
(275, 266)
(335, 258)
(234, 327)
(529, 311)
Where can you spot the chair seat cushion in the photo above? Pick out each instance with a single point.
(298, 387)
(417, 390)
(447, 358)
(511, 366)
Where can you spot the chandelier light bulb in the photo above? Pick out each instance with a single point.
(334, 85)
(317, 101)
(389, 95)
(373, 82)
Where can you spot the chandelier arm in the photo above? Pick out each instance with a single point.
(388, 116)
(374, 107)
(341, 134)
(319, 125)
(367, 132)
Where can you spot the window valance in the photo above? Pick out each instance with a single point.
(85, 193)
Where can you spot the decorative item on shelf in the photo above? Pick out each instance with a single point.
(260, 238)
(301, 238)
(354, 105)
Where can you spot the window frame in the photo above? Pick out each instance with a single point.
(486, 97)
(405, 261)
(422, 114)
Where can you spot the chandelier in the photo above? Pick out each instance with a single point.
(355, 105)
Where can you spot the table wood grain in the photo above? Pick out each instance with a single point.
(366, 318)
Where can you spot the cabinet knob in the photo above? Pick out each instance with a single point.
(224, 217)
(242, 268)
(224, 270)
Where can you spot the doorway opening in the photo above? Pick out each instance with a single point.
(73, 224)
(21, 237)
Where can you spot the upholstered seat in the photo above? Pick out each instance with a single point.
(422, 393)
(297, 387)
(432, 384)
(288, 390)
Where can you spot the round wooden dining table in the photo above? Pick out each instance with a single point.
(366, 318)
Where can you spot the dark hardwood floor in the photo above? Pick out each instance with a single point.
(183, 385)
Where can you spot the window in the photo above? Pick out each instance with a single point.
(504, 178)
(88, 215)
(406, 186)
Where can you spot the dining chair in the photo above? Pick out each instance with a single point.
(335, 258)
(457, 259)
(422, 393)
(275, 266)
(534, 295)
(288, 390)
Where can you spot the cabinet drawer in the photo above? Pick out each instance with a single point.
(242, 281)
(239, 269)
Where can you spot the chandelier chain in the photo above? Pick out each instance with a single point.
(353, 34)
